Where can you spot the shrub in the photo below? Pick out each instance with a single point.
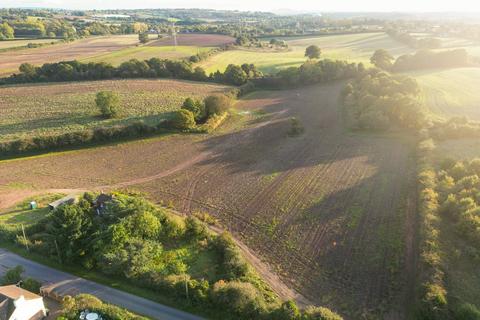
(31, 285)
(108, 102)
(239, 297)
(13, 275)
(320, 313)
(217, 104)
(182, 120)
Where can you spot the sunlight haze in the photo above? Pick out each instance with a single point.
(268, 5)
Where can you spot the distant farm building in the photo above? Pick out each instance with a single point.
(19, 304)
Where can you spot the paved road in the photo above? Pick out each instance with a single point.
(64, 283)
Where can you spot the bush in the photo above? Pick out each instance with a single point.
(108, 102)
(32, 285)
(217, 104)
(241, 298)
(320, 313)
(182, 120)
(13, 275)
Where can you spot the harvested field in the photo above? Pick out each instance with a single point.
(146, 52)
(451, 92)
(327, 209)
(352, 47)
(194, 39)
(43, 109)
(79, 49)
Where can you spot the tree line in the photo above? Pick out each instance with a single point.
(134, 68)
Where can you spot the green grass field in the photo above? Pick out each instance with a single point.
(21, 214)
(44, 109)
(452, 92)
(352, 47)
(8, 44)
(147, 52)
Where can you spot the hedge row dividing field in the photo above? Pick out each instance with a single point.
(46, 109)
(326, 208)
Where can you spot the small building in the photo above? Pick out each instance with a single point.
(19, 304)
(65, 200)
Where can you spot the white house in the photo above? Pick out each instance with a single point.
(19, 304)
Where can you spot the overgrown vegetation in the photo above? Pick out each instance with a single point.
(129, 238)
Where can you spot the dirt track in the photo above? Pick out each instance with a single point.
(326, 209)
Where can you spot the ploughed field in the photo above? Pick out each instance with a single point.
(164, 48)
(79, 49)
(45, 109)
(328, 209)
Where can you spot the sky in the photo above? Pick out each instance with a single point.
(263, 5)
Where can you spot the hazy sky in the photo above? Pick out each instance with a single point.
(263, 5)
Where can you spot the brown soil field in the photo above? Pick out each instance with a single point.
(328, 210)
(10, 61)
(199, 40)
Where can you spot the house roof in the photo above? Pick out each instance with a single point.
(13, 292)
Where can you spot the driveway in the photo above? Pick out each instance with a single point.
(66, 284)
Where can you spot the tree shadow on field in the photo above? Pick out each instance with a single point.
(265, 146)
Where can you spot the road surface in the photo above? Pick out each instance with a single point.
(67, 284)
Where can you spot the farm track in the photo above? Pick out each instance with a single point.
(321, 208)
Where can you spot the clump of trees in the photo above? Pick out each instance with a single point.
(6, 31)
(108, 102)
(455, 128)
(311, 72)
(425, 59)
(380, 101)
(413, 42)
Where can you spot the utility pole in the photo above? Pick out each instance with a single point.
(186, 287)
(58, 252)
(25, 238)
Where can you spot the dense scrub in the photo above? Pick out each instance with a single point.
(380, 101)
(129, 238)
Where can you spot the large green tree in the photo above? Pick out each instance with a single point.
(108, 102)
(382, 59)
(6, 32)
(313, 52)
